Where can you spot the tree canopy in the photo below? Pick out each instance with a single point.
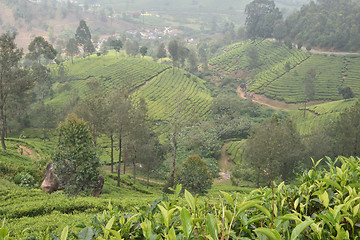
(261, 16)
(75, 160)
(13, 78)
(327, 24)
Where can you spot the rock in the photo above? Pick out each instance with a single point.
(50, 182)
(99, 185)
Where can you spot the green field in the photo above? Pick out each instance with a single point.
(166, 90)
(280, 71)
(235, 150)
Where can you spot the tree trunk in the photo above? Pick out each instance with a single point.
(134, 165)
(148, 179)
(44, 134)
(125, 159)
(3, 128)
(119, 165)
(172, 176)
(112, 153)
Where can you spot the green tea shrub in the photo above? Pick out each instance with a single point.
(24, 179)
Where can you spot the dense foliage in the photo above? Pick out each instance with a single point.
(327, 24)
(324, 205)
(75, 160)
(194, 175)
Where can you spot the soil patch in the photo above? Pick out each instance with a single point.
(225, 165)
(276, 104)
(26, 152)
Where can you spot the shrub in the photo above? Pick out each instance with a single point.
(24, 179)
(194, 175)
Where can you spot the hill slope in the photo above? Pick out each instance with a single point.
(167, 91)
(279, 72)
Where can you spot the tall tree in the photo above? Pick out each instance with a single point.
(174, 51)
(83, 38)
(139, 133)
(261, 16)
(13, 78)
(72, 48)
(273, 149)
(92, 109)
(41, 52)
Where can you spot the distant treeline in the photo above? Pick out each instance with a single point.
(327, 24)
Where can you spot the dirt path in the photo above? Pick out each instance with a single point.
(25, 151)
(278, 105)
(225, 165)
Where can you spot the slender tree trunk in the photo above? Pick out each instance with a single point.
(119, 165)
(125, 159)
(134, 165)
(148, 179)
(44, 134)
(172, 176)
(112, 153)
(3, 127)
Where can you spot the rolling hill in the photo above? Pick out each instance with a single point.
(279, 71)
(167, 91)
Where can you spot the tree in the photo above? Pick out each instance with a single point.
(161, 52)
(151, 155)
(131, 47)
(280, 30)
(174, 51)
(117, 105)
(143, 50)
(192, 62)
(83, 37)
(75, 160)
(194, 175)
(72, 48)
(273, 150)
(40, 49)
(346, 92)
(13, 79)
(92, 109)
(116, 44)
(261, 16)
(41, 52)
(44, 116)
(138, 133)
(89, 48)
(345, 132)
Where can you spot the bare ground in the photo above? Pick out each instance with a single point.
(225, 165)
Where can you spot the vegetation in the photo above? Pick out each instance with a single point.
(167, 123)
(324, 24)
(75, 162)
(194, 175)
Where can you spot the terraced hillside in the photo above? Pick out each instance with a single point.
(166, 91)
(175, 93)
(316, 117)
(280, 71)
(235, 151)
